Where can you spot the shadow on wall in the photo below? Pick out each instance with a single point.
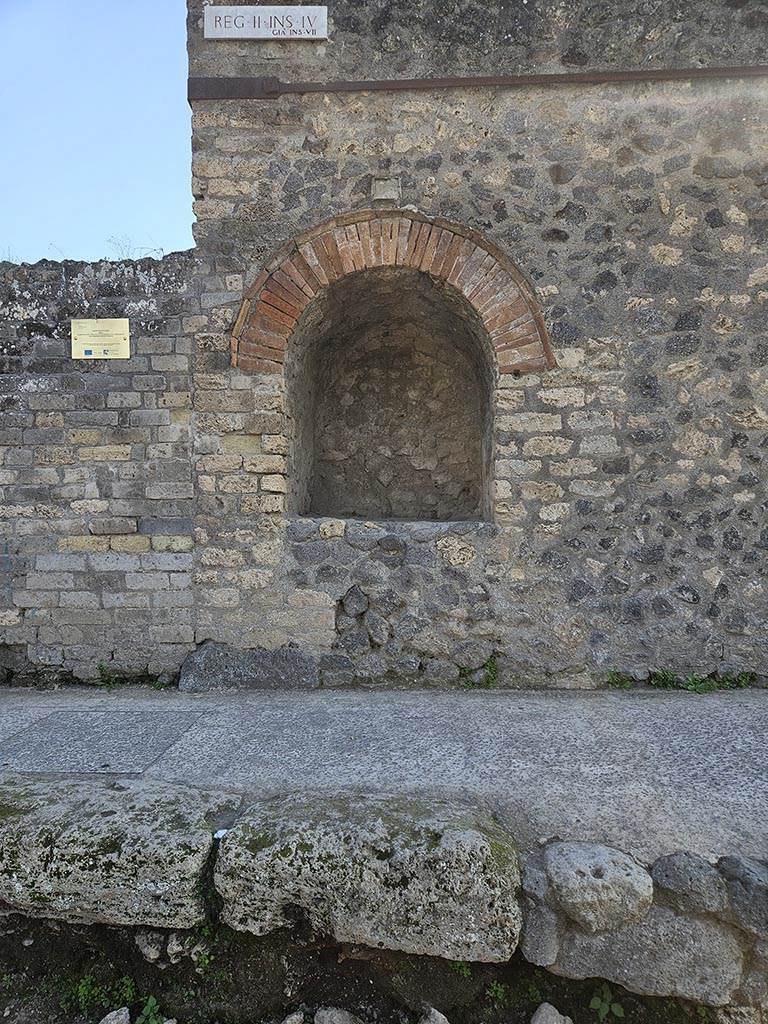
(389, 392)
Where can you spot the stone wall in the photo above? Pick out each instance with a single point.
(95, 484)
(621, 474)
(627, 487)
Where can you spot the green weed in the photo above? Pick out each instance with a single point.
(604, 1004)
(497, 993)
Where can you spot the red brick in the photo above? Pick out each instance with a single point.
(250, 350)
(307, 272)
(508, 293)
(258, 324)
(508, 341)
(472, 277)
(273, 299)
(489, 287)
(263, 337)
(531, 358)
(507, 316)
(420, 245)
(271, 313)
(242, 316)
(258, 284)
(313, 262)
(342, 247)
(324, 260)
(378, 229)
(466, 252)
(254, 365)
(281, 279)
(451, 256)
(275, 288)
(364, 231)
(431, 247)
(328, 239)
(410, 244)
(388, 241)
(402, 240)
(446, 237)
(475, 271)
(290, 268)
(355, 247)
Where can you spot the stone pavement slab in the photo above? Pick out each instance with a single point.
(646, 772)
(94, 741)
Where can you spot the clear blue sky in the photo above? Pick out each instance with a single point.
(94, 129)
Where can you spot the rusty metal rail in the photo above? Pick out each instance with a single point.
(269, 87)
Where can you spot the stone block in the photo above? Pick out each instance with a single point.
(664, 954)
(691, 883)
(541, 936)
(434, 878)
(747, 882)
(215, 666)
(117, 852)
(113, 525)
(169, 491)
(599, 888)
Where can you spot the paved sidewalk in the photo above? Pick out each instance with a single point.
(645, 772)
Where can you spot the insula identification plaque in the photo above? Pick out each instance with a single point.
(266, 22)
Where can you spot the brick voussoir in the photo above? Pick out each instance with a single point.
(260, 325)
(364, 231)
(443, 245)
(451, 256)
(462, 274)
(344, 250)
(522, 353)
(264, 338)
(272, 313)
(514, 341)
(250, 365)
(430, 248)
(291, 269)
(327, 243)
(403, 233)
(389, 244)
(503, 299)
(242, 316)
(466, 249)
(421, 244)
(276, 288)
(410, 244)
(279, 277)
(488, 285)
(251, 351)
(355, 247)
(481, 271)
(271, 298)
(309, 273)
(524, 324)
(310, 257)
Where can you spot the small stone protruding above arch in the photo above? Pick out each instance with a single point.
(459, 256)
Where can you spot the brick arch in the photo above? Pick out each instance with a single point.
(448, 252)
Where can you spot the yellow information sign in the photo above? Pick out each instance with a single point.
(107, 338)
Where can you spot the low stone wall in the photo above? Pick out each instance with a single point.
(424, 877)
(95, 471)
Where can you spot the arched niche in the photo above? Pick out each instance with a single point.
(391, 330)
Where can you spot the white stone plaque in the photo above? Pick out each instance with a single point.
(266, 22)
